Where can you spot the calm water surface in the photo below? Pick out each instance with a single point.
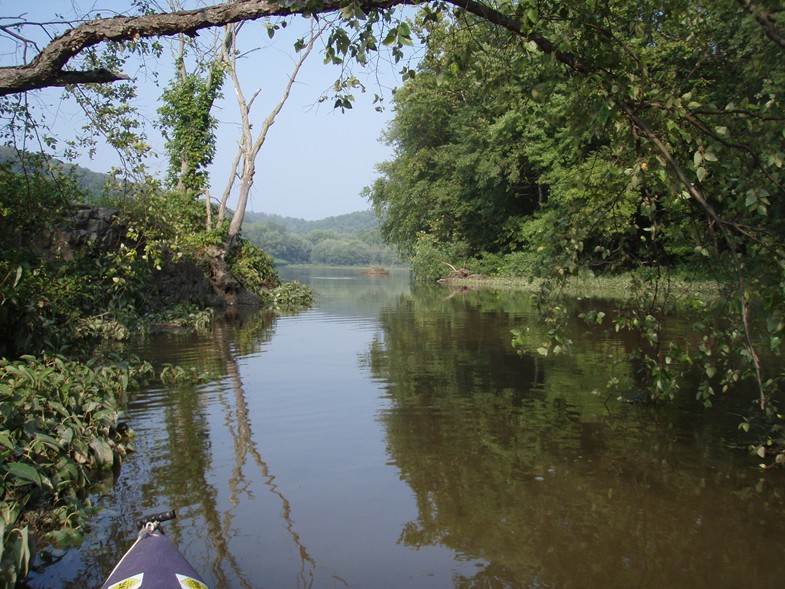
(390, 438)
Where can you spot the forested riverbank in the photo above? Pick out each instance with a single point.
(78, 283)
(556, 141)
(634, 140)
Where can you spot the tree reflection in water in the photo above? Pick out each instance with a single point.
(446, 460)
(515, 463)
(244, 446)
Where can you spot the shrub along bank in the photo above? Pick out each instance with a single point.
(59, 427)
(75, 281)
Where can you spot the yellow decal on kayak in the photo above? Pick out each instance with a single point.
(190, 583)
(129, 583)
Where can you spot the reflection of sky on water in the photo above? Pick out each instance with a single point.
(388, 440)
(319, 433)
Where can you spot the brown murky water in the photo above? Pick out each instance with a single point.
(390, 438)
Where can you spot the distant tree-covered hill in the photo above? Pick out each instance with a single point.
(348, 223)
(92, 183)
(345, 240)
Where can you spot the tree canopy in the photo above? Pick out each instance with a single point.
(649, 137)
(600, 134)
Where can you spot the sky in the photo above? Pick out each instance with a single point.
(315, 161)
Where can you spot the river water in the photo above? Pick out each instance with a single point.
(390, 437)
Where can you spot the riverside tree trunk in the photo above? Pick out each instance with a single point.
(249, 147)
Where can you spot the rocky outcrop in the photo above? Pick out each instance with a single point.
(184, 281)
(88, 226)
(206, 283)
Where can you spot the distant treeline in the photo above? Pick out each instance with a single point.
(346, 240)
(93, 184)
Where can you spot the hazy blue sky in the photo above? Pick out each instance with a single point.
(315, 161)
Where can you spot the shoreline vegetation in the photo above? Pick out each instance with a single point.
(78, 282)
(62, 426)
(62, 431)
(590, 287)
(541, 139)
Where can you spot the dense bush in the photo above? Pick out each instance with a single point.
(253, 267)
(432, 260)
(49, 305)
(518, 264)
(59, 427)
(44, 297)
(291, 296)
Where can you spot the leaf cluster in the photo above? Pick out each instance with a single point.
(59, 426)
(253, 267)
(188, 125)
(645, 138)
(292, 296)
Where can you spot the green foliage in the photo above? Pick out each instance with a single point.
(72, 300)
(93, 296)
(432, 260)
(462, 170)
(46, 301)
(189, 127)
(253, 267)
(32, 196)
(112, 117)
(174, 218)
(292, 296)
(59, 426)
(518, 264)
(601, 155)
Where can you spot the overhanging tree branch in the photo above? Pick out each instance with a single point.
(48, 67)
(765, 19)
(493, 16)
(695, 192)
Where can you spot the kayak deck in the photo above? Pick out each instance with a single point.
(154, 562)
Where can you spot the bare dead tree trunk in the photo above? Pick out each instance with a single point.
(249, 147)
(233, 175)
